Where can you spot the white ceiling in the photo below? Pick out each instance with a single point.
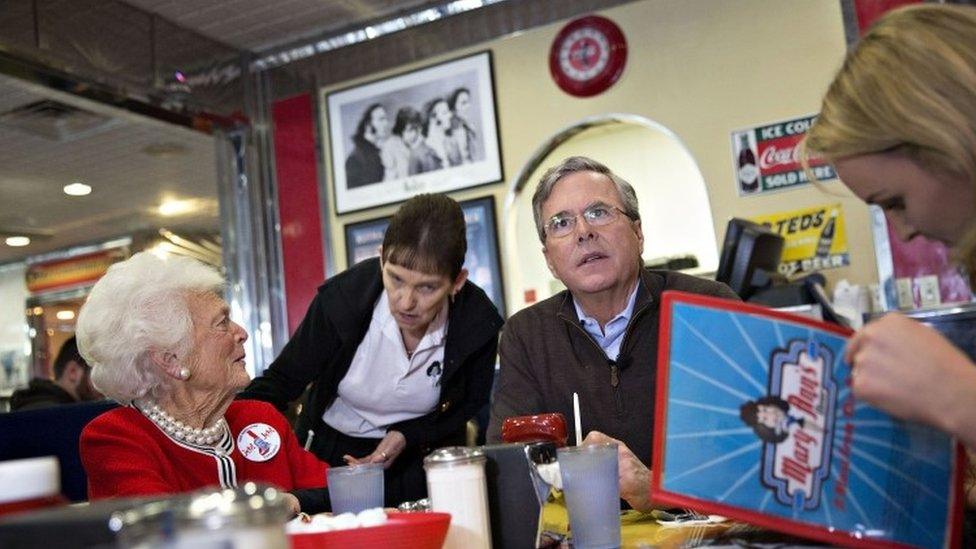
(257, 25)
(128, 184)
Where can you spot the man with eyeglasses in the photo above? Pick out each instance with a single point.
(599, 337)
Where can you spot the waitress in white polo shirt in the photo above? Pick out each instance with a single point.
(399, 352)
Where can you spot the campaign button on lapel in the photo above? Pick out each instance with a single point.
(259, 442)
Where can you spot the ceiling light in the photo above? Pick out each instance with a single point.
(17, 241)
(170, 208)
(77, 189)
(65, 315)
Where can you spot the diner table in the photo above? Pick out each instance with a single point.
(667, 529)
(642, 530)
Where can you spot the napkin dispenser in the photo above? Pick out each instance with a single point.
(516, 491)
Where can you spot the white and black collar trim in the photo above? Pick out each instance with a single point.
(220, 451)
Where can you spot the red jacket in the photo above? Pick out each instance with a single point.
(125, 454)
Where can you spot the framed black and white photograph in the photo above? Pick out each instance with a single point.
(428, 130)
(363, 240)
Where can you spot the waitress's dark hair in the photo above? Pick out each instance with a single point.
(427, 234)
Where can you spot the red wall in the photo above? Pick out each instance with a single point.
(298, 203)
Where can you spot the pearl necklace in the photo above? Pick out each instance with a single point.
(178, 430)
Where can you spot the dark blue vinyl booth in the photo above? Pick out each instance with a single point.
(52, 431)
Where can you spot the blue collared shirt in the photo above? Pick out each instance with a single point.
(610, 338)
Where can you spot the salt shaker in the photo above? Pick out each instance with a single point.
(456, 484)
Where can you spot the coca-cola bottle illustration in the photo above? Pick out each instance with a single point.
(826, 237)
(748, 170)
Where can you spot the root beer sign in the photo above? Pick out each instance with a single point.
(767, 158)
(816, 238)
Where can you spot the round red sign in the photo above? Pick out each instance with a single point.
(588, 56)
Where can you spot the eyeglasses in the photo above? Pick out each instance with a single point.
(597, 215)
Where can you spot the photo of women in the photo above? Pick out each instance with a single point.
(431, 130)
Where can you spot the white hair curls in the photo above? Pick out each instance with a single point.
(139, 306)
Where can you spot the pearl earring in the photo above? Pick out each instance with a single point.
(184, 373)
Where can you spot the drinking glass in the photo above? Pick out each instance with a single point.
(590, 484)
(354, 488)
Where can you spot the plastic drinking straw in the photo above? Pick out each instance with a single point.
(576, 419)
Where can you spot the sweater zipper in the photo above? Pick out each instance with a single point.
(614, 371)
(614, 368)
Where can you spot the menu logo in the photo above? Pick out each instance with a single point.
(795, 421)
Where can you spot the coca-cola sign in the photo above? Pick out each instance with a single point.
(773, 151)
(773, 157)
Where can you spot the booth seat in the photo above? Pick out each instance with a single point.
(52, 431)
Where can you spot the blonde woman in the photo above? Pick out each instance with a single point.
(899, 125)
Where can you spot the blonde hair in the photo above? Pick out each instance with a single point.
(910, 84)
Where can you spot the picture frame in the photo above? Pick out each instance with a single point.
(432, 129)
(364, 238)
(483, 260)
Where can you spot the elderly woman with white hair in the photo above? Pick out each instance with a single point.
(160, 341)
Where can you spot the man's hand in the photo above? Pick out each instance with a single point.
(386, 451)
(635, 479)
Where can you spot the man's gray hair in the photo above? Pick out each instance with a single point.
(572, 165)
(138, 306)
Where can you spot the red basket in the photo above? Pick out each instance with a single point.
(401, 531)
